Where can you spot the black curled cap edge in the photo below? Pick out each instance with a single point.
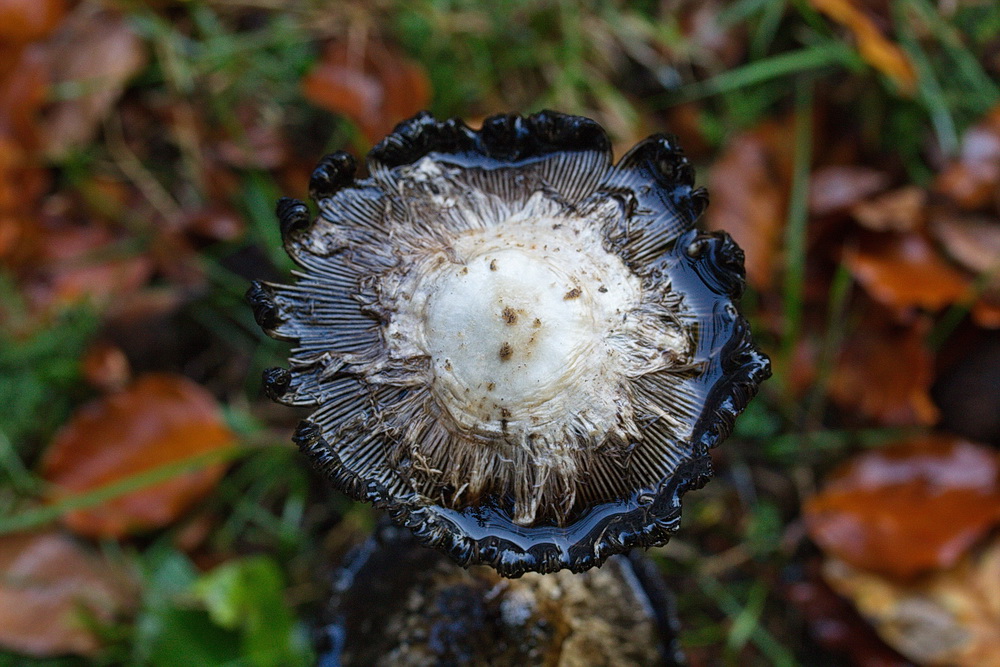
(706, 267)
(508, 138)
(654, 519)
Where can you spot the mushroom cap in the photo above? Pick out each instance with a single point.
(519, 349)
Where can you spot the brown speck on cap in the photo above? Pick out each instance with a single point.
(509, 316)
(573, 293)
(493, 265)
(506, 351)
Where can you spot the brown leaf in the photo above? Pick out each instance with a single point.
(903, 510)
(259, 143)
(96, 53)
(901, 210)
(949, 618)
(749, 185)
(371, 83)
(49, 588)
(879, 52)
(836, 187)
(986, 311)
(29, 20)
(158, 420)
(885, 372)
(106, 367)
(903, 271)
(214, 223)
(972, 241)
(74, 263)
(972, 180)
(23, 91)
(836, 625)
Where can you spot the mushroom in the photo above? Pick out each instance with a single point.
(521, 351)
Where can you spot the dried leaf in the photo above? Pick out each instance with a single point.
(260, 143)
(949, 618)
(94, 53)
(371, 83)
(749, 185)
(23, 91)
(158, 420)
(29, 20)
(77, 263)
(837, 187)
(901, 210)
(52, 590)
(903, 271)
(986, 311)
(885, 372)
(973, 179)
(214, 223)
(836, 625)
(972, 241)
(106, 367)
(909, 508)
(874, 47)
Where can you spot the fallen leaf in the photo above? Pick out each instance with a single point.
(986, 311)
(972, 241)
(904, 271)
(900, 210)
(159, 419)
(51, 592)
(95, 53)
(259, 142)
(749, 185)
(885, 373)
(29, 20)
(214, 223)
(874, 47)
(837, 187)
(948, 618)
(835, 624)
(23, 91)
(909, 508)
(74, 263)
(105, 367)
(371, 83)
(972, 180)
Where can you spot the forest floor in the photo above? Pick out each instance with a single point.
(851, 147)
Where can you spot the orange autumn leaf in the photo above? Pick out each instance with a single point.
(973, 179)
(949, 618)
(885, 374)
(874, 47)
(96, 52)
(159, 419)
(905, 509)
(28, 20)
(836, 187)
(749, 184)
(901, 210)
(51, 592)
(374, 85)
(74, 263)
(904, 271)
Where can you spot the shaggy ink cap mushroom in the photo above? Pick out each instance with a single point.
(519, 349)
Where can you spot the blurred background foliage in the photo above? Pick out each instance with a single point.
(152, 508)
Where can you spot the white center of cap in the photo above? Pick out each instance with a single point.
(508, 327)
(517, 323)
